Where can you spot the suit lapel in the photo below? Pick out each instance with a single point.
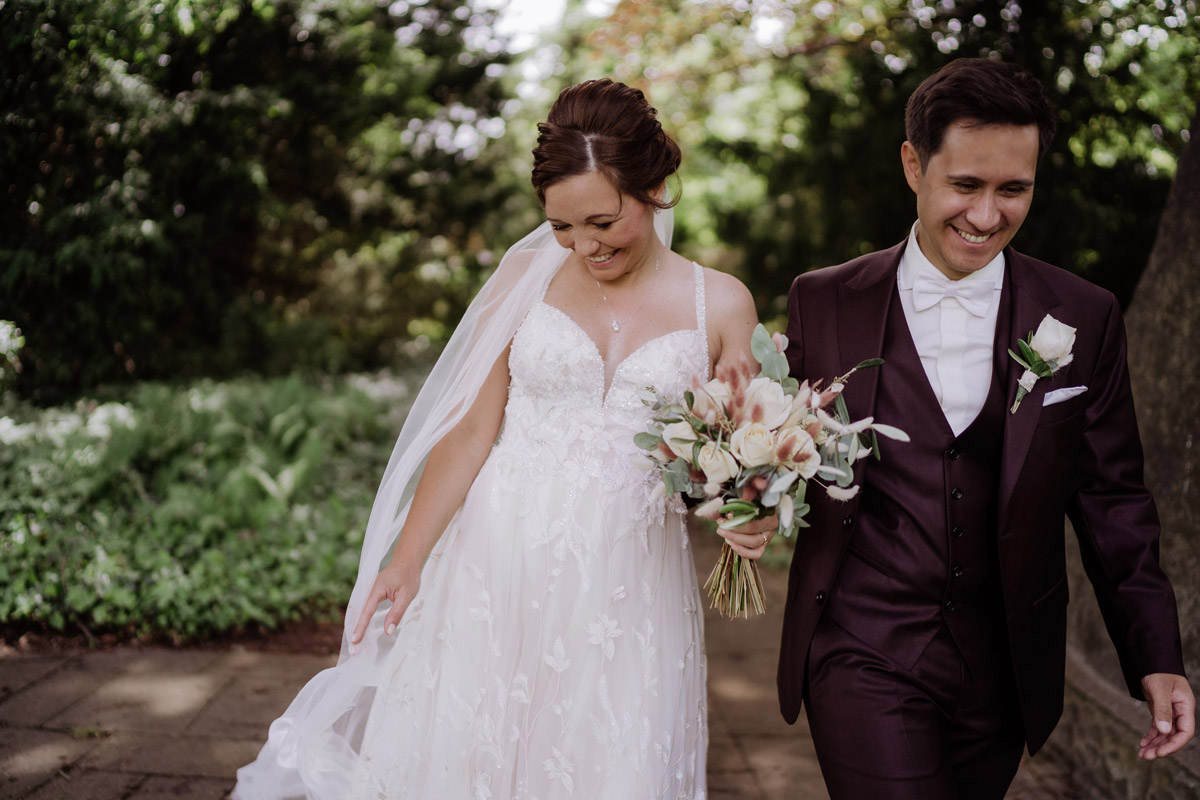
(862, 307)
(1032, 300)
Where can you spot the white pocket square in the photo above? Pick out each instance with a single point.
(1059, 395)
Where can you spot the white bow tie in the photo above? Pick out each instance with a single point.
(974, 295)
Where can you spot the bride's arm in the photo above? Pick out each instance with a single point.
(731, 321)
(449, 472)
(732, 318)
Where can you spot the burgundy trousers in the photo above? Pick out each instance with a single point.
(933, 732)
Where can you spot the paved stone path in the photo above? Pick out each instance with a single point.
(156, 723)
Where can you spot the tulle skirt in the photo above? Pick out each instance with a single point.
(555, 650)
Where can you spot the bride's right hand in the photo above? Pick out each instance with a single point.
(396, 583)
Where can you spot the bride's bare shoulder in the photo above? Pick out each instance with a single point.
(727, 299)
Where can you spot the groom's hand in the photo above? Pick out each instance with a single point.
(1173, 708)
(750, 540)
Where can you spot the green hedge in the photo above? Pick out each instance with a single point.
(183, 512)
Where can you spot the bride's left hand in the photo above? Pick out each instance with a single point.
(394, 583)
(750, 540)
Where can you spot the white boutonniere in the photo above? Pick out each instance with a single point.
(1042, 354)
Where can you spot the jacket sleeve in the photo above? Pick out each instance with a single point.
(1117, 524)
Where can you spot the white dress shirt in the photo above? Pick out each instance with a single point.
(955, 344)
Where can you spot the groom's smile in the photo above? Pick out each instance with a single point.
(973, 193)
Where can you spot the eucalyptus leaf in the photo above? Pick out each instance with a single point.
(647, 441)
(761, 343)
(870, 362)
(775, 366)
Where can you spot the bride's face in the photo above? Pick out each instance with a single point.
(612, 233)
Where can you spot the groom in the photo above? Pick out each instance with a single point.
(925, 624)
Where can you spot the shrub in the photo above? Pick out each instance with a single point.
(194, 510)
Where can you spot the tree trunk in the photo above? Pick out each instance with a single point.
(1101, 725)
(1163, 323)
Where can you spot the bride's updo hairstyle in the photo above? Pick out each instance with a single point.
(608, 127)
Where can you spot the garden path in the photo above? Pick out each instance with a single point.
(149, 723)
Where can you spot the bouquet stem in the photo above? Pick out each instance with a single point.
(734, 585)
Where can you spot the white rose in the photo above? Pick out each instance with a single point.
(1053, 342)
(717, 464)
(796, 447)
(711, 398)
(753, 444)
(680, 430)
(769, 395)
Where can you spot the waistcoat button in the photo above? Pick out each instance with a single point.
(950, 605)
(847, 521)
(953, 454)
(958, 571)
(957, 494)
(957, 532)
(820, 597)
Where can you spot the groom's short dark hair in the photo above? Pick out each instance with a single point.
(983, 91)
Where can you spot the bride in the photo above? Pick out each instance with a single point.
(526, 621)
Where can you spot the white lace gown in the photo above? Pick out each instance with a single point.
(555, 649)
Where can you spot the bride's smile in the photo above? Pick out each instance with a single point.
(613, 234)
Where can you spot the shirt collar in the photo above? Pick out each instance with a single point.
(913, 262)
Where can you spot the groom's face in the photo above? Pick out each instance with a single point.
(973, 193)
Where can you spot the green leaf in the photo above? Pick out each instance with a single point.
(775, 366)
(761, 343)
(647, 441)
(870, 362)
(1030, 354)
(738, 519)
(1018, 359)
(840, 411)
(739, 507)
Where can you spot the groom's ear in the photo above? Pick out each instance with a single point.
(912, 165)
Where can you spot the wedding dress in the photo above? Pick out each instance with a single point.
(555, 649)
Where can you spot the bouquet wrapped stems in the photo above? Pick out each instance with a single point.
(734, 586)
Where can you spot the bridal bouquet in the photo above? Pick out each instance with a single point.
(749, 446)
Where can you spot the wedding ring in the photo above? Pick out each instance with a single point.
(765, 539)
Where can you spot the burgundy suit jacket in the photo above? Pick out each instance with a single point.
(1081, 458)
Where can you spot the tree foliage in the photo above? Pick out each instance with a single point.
(791, 119)
(201, 187)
